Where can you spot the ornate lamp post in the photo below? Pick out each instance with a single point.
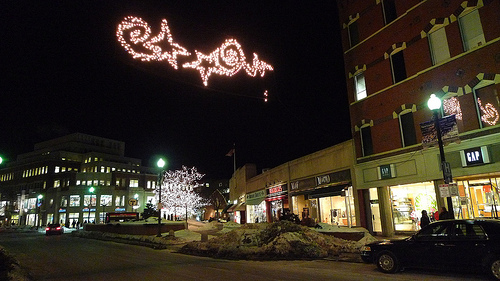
(434, 104)
(160, 164)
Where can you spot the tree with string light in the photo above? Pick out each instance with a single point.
(178, 191)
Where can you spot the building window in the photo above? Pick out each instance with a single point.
(359, 84)
(452, 106)
(106, 200)
(407, 129)
(471, 30)
(389, 10)
(134, 183)
(89, 199)
(56, 169)
(366, 140)
(438, 44)
(64, 201)
(398, 67)
(57, 183)
(353, 33)
(74, 200)
(487, 104)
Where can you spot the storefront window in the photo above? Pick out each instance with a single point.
(375, 208)
(408, 201)
(257, 213)
(478, 198)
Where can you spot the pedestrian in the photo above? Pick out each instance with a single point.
(74, 223)
(424, 220)
(444, 215)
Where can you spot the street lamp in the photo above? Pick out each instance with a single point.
(38, 204)
(434, 104)
(160, 164)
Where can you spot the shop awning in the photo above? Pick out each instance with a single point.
(227, 207)
(328, 191)
(237, 207)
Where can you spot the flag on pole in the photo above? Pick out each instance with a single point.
(230, 153)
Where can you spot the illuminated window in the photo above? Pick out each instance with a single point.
(134, 183)
(57, 169)
(74, 200)
(487, 104)
(78, 182)
(106, 200)
(452, 106)
(57, 183)
(64, 201)
(398, 67)
(89, 199)
(103, 169)
(366, 140)
(107, 170)
(389, 10)
(471, 30)
(407, 129)
(359, 83)
(439, 46)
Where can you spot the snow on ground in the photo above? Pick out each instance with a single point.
(281, 240)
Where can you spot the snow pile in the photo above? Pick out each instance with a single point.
(281, 240)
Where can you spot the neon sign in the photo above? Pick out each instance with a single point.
(228, 59)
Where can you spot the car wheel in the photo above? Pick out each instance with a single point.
(495, 268)
(387, 262)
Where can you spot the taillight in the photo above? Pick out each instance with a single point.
(47, 228)
(58, 228)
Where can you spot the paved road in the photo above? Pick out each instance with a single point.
(70, 258)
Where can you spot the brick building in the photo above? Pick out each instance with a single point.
(396, 54)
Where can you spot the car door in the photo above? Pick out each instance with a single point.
(429, 248)
(467, 245)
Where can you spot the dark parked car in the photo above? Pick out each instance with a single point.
(54, 228)
(447, 244)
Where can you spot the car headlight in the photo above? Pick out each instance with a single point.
(366, 249)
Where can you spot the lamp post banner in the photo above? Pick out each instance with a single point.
(449, 131)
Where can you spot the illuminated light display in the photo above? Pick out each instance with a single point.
(265, 95)
(226, 60)
(490, 113)
(452, 106)
(139, 34)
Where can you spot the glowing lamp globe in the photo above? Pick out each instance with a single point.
(91, 189)
(434, 102)
(160, 163)
(40, 197)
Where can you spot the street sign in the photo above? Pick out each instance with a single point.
(447, 172)
(132, 202)
(444, 190)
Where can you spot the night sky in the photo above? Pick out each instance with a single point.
(63, 71)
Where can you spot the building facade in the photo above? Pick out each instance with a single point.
(77, 178)
(396, 54)
(318, 186)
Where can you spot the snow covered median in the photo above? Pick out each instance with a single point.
(281, 240)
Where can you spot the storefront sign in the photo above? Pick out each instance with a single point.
(277, 190)
(325, 179)
(475, 156)
(255, 198)
(62, 210)
(386, 171)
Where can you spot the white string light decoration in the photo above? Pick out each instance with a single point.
(452, 106)
(139, 35)
(490, 113)
(226, 60)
